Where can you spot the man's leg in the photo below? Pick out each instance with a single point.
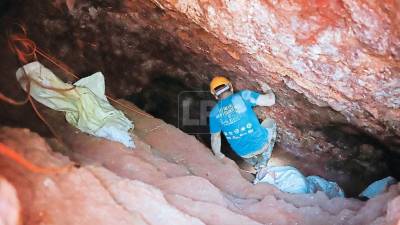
(263, 158)
(252, 160)
(260, 161)
(270, 125)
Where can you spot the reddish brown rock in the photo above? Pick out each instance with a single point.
(333, 64)
(74, 197)
(213, 193)
(342, 54)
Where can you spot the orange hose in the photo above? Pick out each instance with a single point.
(19, 159)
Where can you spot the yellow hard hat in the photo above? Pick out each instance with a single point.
(218, 81)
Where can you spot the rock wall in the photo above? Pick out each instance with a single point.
(335, 75)
(333, 64)
(342, 54)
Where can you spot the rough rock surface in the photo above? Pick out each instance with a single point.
(170, 178)
(333, 65)
(342, 54)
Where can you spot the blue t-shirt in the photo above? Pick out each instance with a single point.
(235, 117)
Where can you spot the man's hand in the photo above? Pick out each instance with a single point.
(216, 145)
(268, 98)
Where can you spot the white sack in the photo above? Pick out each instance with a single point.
(86, 106)
(289, 179)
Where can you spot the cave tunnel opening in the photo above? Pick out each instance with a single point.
(355, 158)
(166, 74)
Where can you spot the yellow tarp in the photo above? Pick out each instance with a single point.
(86, 106)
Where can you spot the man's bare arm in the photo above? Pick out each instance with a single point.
(216, 145)
(268, 98)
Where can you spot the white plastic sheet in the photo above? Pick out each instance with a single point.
(86, 106)
(289, 179)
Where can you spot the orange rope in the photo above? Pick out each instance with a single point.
(29, 46)
(10, 153)
(14, 102)
(24, 47)
(68, 71)
(26, 50)
(60, 65)
(45, 86)
(129, 107)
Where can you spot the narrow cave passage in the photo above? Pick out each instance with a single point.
(158, 57)
(355, 158)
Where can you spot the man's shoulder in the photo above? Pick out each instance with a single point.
(249, 96)
(245, 93)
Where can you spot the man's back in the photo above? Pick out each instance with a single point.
(235, 117)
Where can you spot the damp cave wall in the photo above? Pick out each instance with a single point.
(343, 125)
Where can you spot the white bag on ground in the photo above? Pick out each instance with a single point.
(86, 106)
(378, 187)
(289, 179)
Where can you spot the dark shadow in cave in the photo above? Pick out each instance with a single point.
(165, 96)
(5, 5)
(362, 145)
(362, 155)
(160, 97)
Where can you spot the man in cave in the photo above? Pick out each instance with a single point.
(233, 115)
